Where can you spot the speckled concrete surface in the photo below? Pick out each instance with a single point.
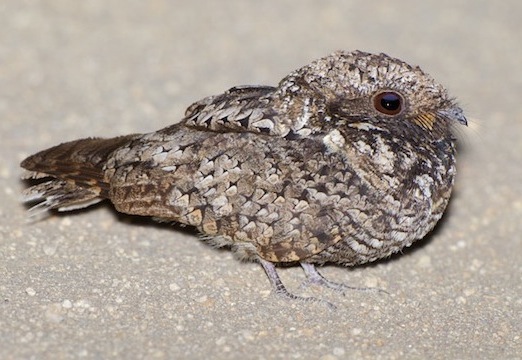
(99, 285)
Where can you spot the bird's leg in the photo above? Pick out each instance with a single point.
(279, 288)
(314, 277)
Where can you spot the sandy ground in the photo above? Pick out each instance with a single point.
(98, 285)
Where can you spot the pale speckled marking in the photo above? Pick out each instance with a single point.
(334, 140)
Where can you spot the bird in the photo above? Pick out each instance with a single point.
(348, 160)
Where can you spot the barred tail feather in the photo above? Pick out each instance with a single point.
(60, 195)
(69, 176)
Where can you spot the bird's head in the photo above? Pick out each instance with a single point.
(370, 92)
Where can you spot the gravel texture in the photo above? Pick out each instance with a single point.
(96, 284)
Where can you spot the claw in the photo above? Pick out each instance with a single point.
(280, 289)
(314, 277)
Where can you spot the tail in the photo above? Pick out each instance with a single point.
(70, 174)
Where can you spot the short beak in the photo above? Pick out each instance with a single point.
(454, 113)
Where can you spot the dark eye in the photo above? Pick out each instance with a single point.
(388, 102)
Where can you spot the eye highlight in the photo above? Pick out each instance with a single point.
(388, 103)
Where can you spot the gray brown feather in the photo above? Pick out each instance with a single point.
(318, 169)
(71, 174)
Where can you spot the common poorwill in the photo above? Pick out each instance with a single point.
(348, 160)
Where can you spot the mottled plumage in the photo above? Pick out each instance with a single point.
(348, 160)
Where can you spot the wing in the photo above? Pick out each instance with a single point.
(253, 192)
(242, 108)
